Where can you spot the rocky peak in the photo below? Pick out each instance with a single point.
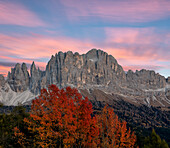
(33, 69)
(50, 71)
(17, 73)
(2, 80)
(26, 74)
(95, 68)
(35, 79)
(18, 79)
(145, 79)
(24, 67)
(92, 54)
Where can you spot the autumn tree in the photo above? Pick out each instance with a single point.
(62, 118)
(113, 132)
(59, 118)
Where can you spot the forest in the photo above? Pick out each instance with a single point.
(63, 118)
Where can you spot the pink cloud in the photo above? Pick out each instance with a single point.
(28, 48)
(138, 44)
(130, 35)
(121, 11)
(17, 14)
(129, 46)
(4, 70)
(40, 46)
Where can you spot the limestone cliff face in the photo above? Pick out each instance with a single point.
(95, 69)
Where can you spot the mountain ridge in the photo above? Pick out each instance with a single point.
(94, 70)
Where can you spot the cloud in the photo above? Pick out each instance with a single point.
(139, 48)
(40, 46)
(117, 10)
(130, 46)
(20, 49)
(7, 64)
(17, 14)
(138, 44)
(4, 70)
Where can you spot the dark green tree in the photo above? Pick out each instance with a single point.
(154, 141)
(1, 105)
(7, 123)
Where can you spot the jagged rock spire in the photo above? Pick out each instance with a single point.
(2, 80)
(18, 79)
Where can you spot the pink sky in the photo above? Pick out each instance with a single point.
(16, 14)
(136, 33)
(118, 10)
(29, 48)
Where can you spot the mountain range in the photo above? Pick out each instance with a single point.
(93, 72)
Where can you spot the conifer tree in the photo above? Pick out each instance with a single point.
(154, 141)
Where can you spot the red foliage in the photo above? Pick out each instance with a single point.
(113, 132)
(61, 115)
(61, 118)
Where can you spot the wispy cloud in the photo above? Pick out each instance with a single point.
(138, 43)
(17, 14)
(139, 48)
(117, 10)
(7, 64)
(37, 46)
(134, 48)
(4, 70)
(29, 48)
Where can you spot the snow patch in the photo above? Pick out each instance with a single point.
(93, 60)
